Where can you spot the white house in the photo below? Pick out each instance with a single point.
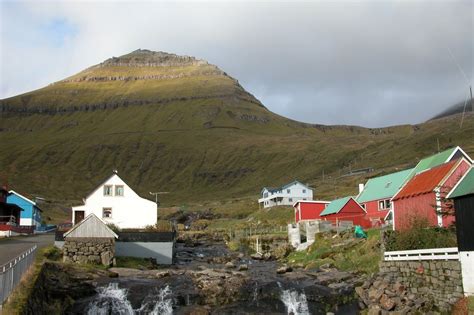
(285, 195)
(115, 202)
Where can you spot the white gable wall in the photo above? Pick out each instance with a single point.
(128, 211)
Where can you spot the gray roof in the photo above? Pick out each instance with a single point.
(91, 226)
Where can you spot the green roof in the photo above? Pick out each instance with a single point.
(432, 161)
(465, 186)
(335, 206)
(383, 186)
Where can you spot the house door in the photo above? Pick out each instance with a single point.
(78, 216)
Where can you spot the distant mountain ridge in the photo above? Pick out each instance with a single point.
(179, 124)
(455, 109)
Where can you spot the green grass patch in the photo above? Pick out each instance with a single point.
(470, 303)
(344, 253)
(136, 263)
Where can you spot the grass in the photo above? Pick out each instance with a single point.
(202, 138)
(471, 303)
(17, 300)
(359, 255)
(135, 263)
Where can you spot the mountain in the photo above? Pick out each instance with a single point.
(458, 108)
(181, 125)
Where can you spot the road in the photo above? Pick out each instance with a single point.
(10, 248)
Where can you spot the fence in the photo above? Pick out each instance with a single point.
(12, 272)
(450, 253)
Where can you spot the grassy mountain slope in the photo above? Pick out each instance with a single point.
(178, 124)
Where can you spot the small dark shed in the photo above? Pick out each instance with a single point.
(463, 196)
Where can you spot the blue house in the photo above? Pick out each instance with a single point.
(31, 214)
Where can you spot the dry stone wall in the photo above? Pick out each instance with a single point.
(413, 286)
(89, 250)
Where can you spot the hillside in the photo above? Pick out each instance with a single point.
(458, 108)
(179, 124)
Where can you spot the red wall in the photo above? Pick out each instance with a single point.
(309, 210)
(372, 208)
(407, 209)
(425, 205)
(350, 212)
(449, 184)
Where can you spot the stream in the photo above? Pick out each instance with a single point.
(201, 283)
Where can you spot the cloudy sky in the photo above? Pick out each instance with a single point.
(371, 63)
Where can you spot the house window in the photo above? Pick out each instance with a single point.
(288, 191)
(290, 199)
(304, 191)
(106, 212)
(265, 195)
(108, 190)
(384, 204)
(118, 190)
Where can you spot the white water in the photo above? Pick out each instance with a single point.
(294, 301)
(164, 305)
(113, 300)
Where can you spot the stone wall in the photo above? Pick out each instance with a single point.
(413, 286)
(89, 250)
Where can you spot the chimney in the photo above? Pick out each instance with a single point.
(361, 188)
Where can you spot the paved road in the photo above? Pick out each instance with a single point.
(10, 248)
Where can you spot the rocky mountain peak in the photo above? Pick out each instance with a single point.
(147, 58)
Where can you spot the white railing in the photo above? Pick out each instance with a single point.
(451, 253)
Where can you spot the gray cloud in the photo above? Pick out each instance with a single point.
(369, 63)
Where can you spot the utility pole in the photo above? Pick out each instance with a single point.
(472, 104)
(156, 196)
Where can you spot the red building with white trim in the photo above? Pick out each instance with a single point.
(309, 210)
(424, 195)
(346, 209)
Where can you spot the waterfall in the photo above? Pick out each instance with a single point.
(113, 300)
(255, 293)
(164, 305)
(294, 301)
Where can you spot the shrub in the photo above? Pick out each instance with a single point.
(52, 253)
(113, 227)
(420, 236)
(233, 245)
(160, 226)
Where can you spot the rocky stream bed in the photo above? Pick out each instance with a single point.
(206, 279)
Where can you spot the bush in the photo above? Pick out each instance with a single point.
(420, 236)
(113, 227)
(233, 245)
(53, 253)
(160, 226)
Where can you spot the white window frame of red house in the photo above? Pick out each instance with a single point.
(384, 201)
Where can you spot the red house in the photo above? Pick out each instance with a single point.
(424, 195)
(376, 195)
(346, 209)
(309, 210)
